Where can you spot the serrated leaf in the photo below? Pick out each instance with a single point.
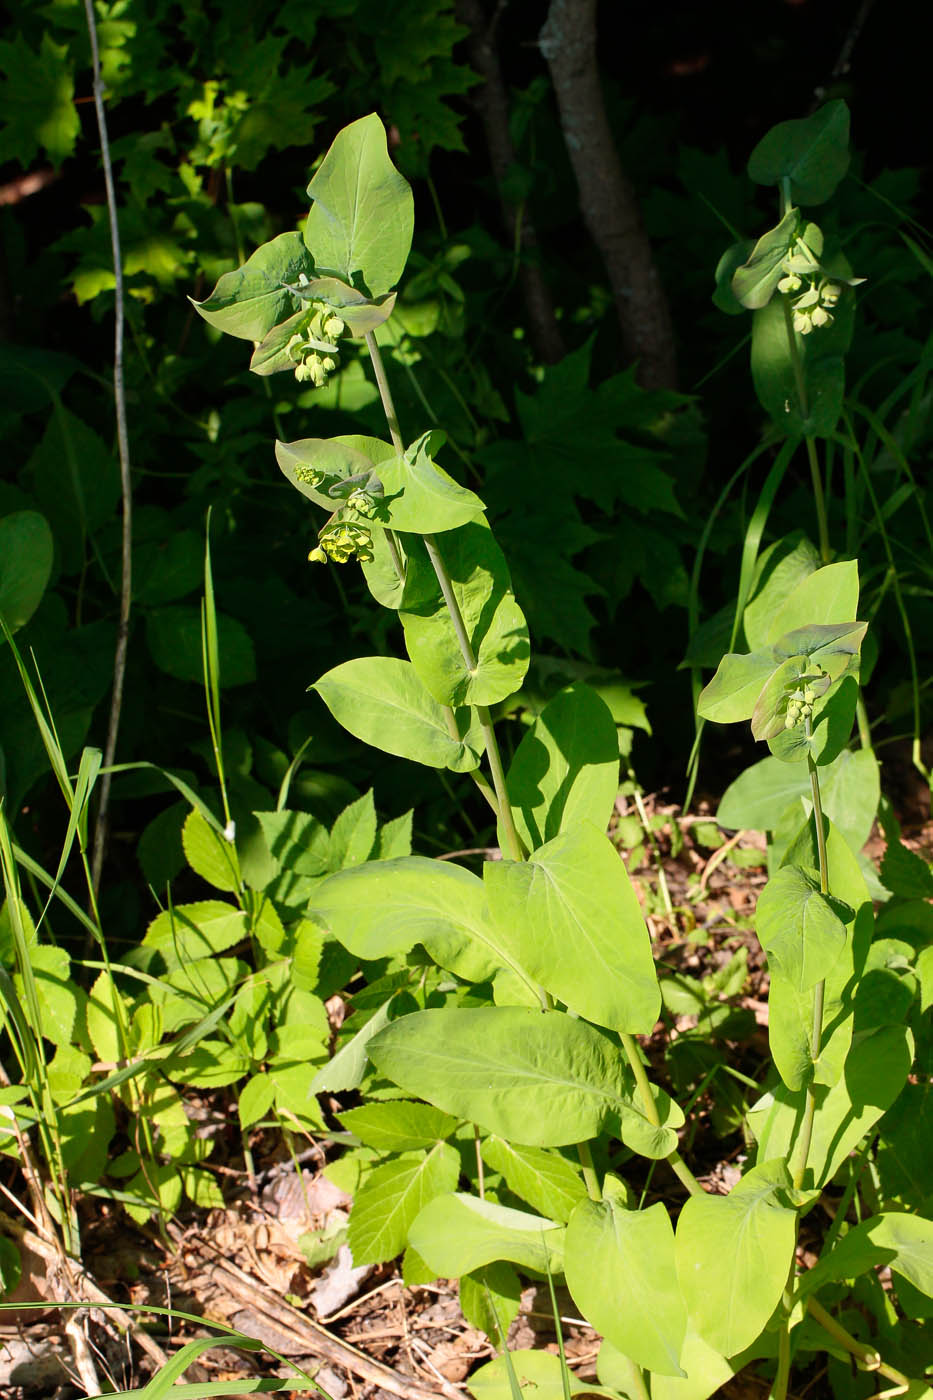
(190, 931)
(398, 1126)
(39, 110)
(547, 1181)
(392, 1196)
(208, 854)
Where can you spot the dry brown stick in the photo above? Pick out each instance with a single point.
(296, 1324)
(81, 1285)
(607, 200)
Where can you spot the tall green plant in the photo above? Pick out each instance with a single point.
(510, 1066)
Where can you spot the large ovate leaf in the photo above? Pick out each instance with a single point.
(619, 1266)
(811, 152)
(420, 497)
(26, 550)
(392, 1196)
(734, 689)
(893, 1239)
(827, 595)
(566, 767)
(537, 1077)
(492, 620)
(383, 701)
(398, 1126)
(754, 282)
(578, 928)
(751, 1236)
(762, 795)
(457, 1233)
(386, 907)
(362, 212)
(781, 568)
(799, 928)
(876, 1069)
(253, 298)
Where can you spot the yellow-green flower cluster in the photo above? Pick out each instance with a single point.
(309, 347)
(801, 700)
(812, 309)
(342, 540)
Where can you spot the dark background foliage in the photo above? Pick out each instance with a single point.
(599, 487)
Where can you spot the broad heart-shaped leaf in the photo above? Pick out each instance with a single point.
(26, 550)
(578, 928)
(781, 567)
(706, 1370)
(544, 1179)
(385, 907)
(383, 701)
(249, 301)
(811, 152)
(762, 795)
(733, 691)
(902, 1242)
(362, 212)
(391, 1198)
(566, 767)
(753, 283)
(537, 1373)
(619, 1266)
(790, 1016)
(876, 1069)
(536, 1077)
(457, 1233)
(398, 1126)
(824, 596)
(335, 459)
(493, 621)
(799, 928)
(733, 1254)
(420, 497)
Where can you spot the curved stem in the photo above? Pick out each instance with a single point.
(864, 1354)
(674, 1160)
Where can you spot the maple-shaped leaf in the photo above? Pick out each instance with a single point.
(38, 105)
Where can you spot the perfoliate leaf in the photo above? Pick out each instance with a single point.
(362, 212)
(253, 298)
(812, 152)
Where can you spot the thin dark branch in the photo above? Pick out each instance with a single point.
(123, 446)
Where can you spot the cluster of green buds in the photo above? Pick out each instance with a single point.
(342, 540)
(802, 699)
(311, 347)
(813, 307)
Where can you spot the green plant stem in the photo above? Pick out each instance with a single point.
(819, 499)
(674, 1160)
(782, 1375)
(864, 1354)
(819, 992)
(656, 855)
(589, 1171)
(456, 617)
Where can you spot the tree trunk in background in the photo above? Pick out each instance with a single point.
(607, 200)
(493, 106)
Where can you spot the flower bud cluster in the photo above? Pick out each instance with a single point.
(802, 699)
(309, 347)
